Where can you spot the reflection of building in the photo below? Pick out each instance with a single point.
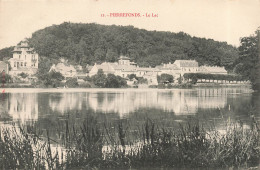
(25, 60)
(123, 102)
(23, 106)
(64, 102)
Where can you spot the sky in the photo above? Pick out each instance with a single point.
(221, 20)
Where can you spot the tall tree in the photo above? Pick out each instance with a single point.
(248, 62)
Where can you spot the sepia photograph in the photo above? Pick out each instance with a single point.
(130, 84)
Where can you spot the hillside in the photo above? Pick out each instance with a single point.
(93, 43)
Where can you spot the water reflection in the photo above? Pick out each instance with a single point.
(28, 106)
(21, 106)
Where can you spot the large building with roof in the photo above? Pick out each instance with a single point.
(187, 66)
(212, 70)
(106, 67)
(24, 60)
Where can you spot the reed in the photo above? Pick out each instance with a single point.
(96, 145)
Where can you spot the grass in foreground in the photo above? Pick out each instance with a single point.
(94, 146)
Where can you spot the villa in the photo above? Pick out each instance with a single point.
(24, 60)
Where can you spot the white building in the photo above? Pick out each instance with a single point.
(25, 60)
(187, 66)
(106, 67)
(212, 70)
(171, 69)
(68, 71)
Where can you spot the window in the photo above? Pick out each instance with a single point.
(14, 64)
(25, 64)
(21, 63)
(19, 56)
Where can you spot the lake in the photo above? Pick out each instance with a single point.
(49, 108)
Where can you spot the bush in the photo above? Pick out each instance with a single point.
(165, 78)
(113, 81)
(51, 79)
(23, 75)
(72, 82)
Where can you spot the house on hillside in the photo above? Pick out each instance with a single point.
(187, 66)
(106, 67)
(68, 71)
(24, 59)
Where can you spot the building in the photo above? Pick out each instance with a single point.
(171, 69)
(4, 67)
(24, 59)
(68, 71)
(106, 67)
(212, 70)
(187, 66)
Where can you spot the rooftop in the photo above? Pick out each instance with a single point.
(186, 63)
(124, 58)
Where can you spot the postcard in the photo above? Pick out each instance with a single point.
(128, 84)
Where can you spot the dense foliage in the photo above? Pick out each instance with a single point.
(72, 82)
(6, 53)
(93, 43)
(5, 78)
(51, 79)
(165, 78)
(249, 57)
(228, 77)
(105, 146)
(108, 81)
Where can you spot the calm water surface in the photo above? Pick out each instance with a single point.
(48, 108)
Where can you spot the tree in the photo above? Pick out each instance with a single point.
(52, 79)
(248, 62)
(165, 78)
(132, 76)
(72, 82)
(93, 43)
(99, 79)
(113, 81)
